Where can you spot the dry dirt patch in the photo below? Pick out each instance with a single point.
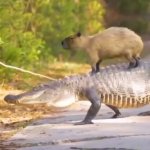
(16, 117)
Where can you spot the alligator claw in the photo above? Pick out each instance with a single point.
(116, 115)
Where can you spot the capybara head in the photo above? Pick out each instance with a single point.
(71, 42)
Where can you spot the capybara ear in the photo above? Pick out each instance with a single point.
(79, 34)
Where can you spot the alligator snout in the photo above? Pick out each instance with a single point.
(11, 99)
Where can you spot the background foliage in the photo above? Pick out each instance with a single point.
(133, 14)
(31, 30)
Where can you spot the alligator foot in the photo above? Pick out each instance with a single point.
(84, 122)
(115, 109)
(116, 115)
(147, 113)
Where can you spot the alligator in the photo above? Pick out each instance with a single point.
(115, 86)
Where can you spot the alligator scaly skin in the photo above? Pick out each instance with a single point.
(126, 88)
(115, 85)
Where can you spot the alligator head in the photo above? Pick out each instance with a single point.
(48, 96)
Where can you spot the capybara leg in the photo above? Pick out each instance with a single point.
(94, 62)
(131, 60)
(93, 69)
(98, 65)
(132, 64)
(137, 62)
(137, 59)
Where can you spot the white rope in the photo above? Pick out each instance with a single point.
(26, 71)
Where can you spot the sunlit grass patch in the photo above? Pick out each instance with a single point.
(60, 69)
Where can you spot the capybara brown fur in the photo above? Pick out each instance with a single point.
(110, 43)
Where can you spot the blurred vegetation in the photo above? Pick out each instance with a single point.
(132, 14)
(31, 31)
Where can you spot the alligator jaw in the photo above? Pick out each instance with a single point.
(24, 98)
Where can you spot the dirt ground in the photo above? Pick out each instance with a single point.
(15, 117)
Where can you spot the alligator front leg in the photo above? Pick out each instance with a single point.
(95, 100)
